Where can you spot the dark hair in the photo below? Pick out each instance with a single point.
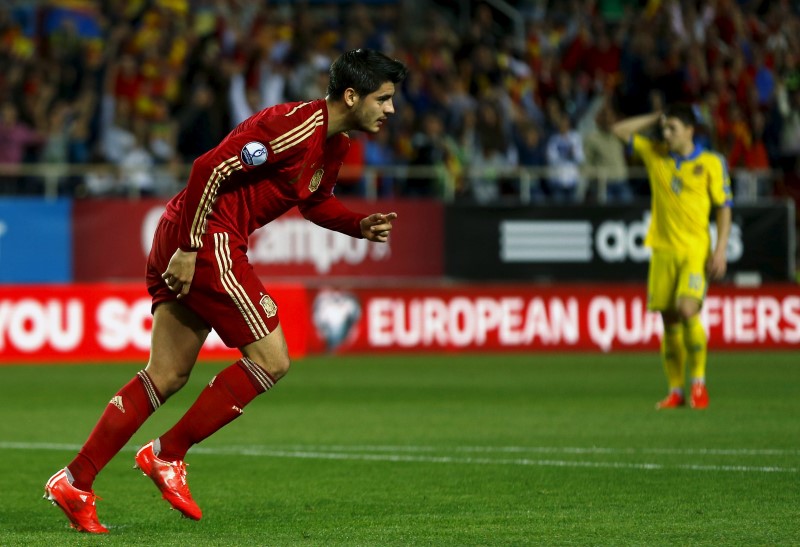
(684, 112)
(365, 70)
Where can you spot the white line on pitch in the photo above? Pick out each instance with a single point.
(485, 461)
(315, 453)
(551, 450)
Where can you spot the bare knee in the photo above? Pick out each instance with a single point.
(276, 366)
(686, 309)
(270, 353)
(166, 379)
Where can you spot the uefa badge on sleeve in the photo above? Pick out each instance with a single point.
(254, 153)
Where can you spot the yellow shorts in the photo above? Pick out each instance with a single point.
(673, 276)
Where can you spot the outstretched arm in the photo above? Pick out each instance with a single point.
(625, 129)
(330, 213)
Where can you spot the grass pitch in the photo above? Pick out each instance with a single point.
(537, 449)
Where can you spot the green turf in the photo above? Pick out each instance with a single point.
(538, 449)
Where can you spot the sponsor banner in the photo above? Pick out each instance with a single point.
(35, 240)
(591, 243)
(288, 247)
(112, 322)
(541, 318)
(109, 322)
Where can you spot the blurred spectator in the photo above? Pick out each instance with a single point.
(570, 95)
(531, 149)
(602, 58)
(16, 138)
(378, 153)
(489, 154)
(764, 79)
(100, 180)
(564, 158)
(136, 165)
(351, 174)
(56, 144)
(193, 70)
(433, 155)
(81, 130)
(117, 137)
(605, 153)
(486, 172)
(789, 108)
(56, 147)
(15, 135)
(749, 161)
(197, 124)
(244, 101)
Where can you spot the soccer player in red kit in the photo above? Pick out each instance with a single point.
(200, 279)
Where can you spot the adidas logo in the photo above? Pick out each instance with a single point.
(117, 402)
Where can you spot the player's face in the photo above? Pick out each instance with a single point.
(371, 111)
(677, 135)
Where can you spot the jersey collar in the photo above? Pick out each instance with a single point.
(692, 155)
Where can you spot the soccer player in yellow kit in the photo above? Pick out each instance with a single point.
(686, 182)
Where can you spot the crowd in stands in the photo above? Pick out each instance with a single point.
(137, 89)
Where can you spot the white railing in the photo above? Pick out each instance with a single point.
(52, 180)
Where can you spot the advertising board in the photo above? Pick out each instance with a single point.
(35, 240)
(599, 243)
(290, 247)
(109, 322)
(564, 317)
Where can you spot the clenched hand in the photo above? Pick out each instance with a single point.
(180, 272)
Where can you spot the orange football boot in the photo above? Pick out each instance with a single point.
(673, 400)
(170, 479)
(699, 396)
(79, 506)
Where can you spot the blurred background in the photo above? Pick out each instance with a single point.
(499, 158)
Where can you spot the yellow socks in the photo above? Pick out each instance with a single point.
(673, 354)
(694, 336)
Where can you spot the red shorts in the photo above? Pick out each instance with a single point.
(225, 292)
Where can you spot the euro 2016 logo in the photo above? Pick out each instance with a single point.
(335, 315)
(254, 153)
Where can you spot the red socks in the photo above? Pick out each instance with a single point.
(220, 402)
(124, 415)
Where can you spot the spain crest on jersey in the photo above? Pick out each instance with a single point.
(676, 184)
(316, 178)
(269, 305)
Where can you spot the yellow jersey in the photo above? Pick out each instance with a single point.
(684, 189)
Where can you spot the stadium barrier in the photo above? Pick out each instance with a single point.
(447, 182)
(103, 322)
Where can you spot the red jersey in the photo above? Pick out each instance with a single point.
(277, 159)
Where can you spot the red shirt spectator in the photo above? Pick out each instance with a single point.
(748, 149)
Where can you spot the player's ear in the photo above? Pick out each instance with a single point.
(350, 97)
